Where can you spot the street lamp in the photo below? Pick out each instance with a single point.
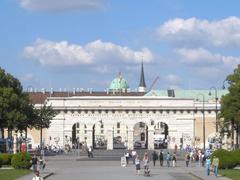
(216, 100)
(203, 108)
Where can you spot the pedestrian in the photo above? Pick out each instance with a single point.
(215, 164)
(168, 159)
(146, 164)
(161, 158)
(134, 153)
(154, 157)
(208, 165)
(137, 164)
(37, 176)
(127, 156)
(187, 159)
(174, 160)
(175, 148)
(90, 150)
(34, 163)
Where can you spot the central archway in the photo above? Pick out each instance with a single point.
(99, 136)
(160, 135)
(140, 136)
(79, 135)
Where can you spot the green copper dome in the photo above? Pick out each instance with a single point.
(119, 83)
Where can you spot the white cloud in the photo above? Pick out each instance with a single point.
(62, 53)
(204, 57)
(61, 5)
(194, 32)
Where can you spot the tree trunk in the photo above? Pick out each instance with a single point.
(41, 138)
(2, 133)
(26, 138)
(237, 135)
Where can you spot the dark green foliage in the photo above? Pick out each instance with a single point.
(21, 160)
(6, 158)
(227, 159)
(1, 162)
(236, 154)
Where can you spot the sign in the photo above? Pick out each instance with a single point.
(123, 161)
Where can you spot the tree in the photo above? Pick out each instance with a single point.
(230, 104)
(16, 111)
(44, 116)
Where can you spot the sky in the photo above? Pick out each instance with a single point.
(66, 44)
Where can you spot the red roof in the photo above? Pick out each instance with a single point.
(39, 97)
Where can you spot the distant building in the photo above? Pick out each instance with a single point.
(119, 118)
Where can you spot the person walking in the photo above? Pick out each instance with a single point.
(187, 159)
(134, 154)
(34, 163)
(137, 164)
(127, 156)
(208, 165)
(168, 159)
(146, 164)
(161, 158)
(174, 160)
(154, 157)
(37, 176)
(215, 164)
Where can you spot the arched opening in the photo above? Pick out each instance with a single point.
(161, 135)
(99, 136)
(140, 136)
(119, 136)
(79, 135)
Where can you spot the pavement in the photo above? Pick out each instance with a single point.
(71, 167)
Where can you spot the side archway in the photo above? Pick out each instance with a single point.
(140, 135)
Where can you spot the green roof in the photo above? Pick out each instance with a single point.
(118, 84)
(180, 93)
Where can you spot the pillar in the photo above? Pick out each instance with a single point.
(130, 139)
(89, 137)
(110, 139)
(151, 138)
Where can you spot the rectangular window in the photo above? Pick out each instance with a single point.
(118, 125)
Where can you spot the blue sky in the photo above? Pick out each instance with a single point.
(85, 43)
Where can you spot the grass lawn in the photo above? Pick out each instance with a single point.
(230, 173)
(10, 174)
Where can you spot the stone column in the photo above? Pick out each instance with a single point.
(110, 139)
(90, 137)
(130, 139)
(151, 138)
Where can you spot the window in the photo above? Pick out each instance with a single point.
(102, 126)
(102, 131)
(77, 125)
(141, 124)
(118, 125)
(142, 136)
(118, 131)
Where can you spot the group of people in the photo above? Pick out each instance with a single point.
(38, 164)
(202, 159)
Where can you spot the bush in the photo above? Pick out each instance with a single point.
(227, 159)
(6, 158)
(236, 154)
(21, 160)
(1, 162)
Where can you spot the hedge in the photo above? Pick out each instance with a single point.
(1, 162)
(227, 159)
(6, 158)
(21, 160)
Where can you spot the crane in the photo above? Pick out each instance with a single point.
(154, 82)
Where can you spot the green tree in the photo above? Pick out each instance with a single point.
(16, 111)
(44, 116)
(230, 104)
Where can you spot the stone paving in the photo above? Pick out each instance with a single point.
(67, 168)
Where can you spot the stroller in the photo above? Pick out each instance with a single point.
(146, 171)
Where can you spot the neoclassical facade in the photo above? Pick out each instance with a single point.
(118, 118)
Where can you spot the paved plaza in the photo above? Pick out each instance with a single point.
(67, 168)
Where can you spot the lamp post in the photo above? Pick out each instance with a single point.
(203, 109)
(216, 101)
